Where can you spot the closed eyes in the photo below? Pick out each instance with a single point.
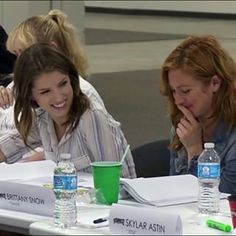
(181, 92)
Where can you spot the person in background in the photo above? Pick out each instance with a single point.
(48, 100)
(53, 28)
(56, 29)
(7, 60)
(198, 78)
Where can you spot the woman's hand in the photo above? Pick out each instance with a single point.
(6, 97)
(189, 131)
(34, 155)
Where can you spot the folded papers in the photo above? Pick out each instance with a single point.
(162, 191)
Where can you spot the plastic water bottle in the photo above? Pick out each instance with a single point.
(65, 190)
(208, 178)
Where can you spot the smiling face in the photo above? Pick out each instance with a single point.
(53, 93)
(192, 94)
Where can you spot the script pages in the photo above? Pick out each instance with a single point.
(162, 191)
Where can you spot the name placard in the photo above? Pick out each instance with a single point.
(125, 219)
(26, 198)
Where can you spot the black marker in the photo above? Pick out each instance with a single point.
(100, 220)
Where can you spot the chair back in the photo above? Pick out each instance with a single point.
(152, 159)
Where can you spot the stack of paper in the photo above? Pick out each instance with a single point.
(162, 191)
(26, 170)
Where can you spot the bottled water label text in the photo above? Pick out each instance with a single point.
(209, 170)
(65, 182)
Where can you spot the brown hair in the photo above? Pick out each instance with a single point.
(202, 57)
(35, 60)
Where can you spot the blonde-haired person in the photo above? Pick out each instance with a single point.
(198, 78)
(56, 29)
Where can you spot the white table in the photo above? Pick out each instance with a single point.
(85, 214)
(192, 224)
(25, 223)
(18, 222)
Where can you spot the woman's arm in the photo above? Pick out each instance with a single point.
(36, 155)
(179, 164)
(12, 147)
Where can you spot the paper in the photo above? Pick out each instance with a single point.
(85, 180)
(26, 170)
(28, 187)
(143, 221)
(162, 191)
(21, 187)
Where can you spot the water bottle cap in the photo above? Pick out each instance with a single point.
(65, 156)
(209, 145)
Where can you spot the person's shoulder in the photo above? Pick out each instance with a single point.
(84, 84)
(3, 34)
(93, 111)
(230, 136)
(100, 115)
(7, 59)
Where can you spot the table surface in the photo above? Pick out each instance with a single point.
(193, 224)
(43, 225)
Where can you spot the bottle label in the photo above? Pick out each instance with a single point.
(65, 182)
(209, 170)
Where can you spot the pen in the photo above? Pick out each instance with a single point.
(100, 220)
(218, 225)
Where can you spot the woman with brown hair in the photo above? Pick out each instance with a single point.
(198, 78)
(51, 107)
(56, 29)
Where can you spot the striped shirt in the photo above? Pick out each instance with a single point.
(97, 137)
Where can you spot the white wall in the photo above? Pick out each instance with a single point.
(74, 10)
(13, 12)
(191, 6)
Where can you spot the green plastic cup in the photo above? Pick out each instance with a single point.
(106, 177)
